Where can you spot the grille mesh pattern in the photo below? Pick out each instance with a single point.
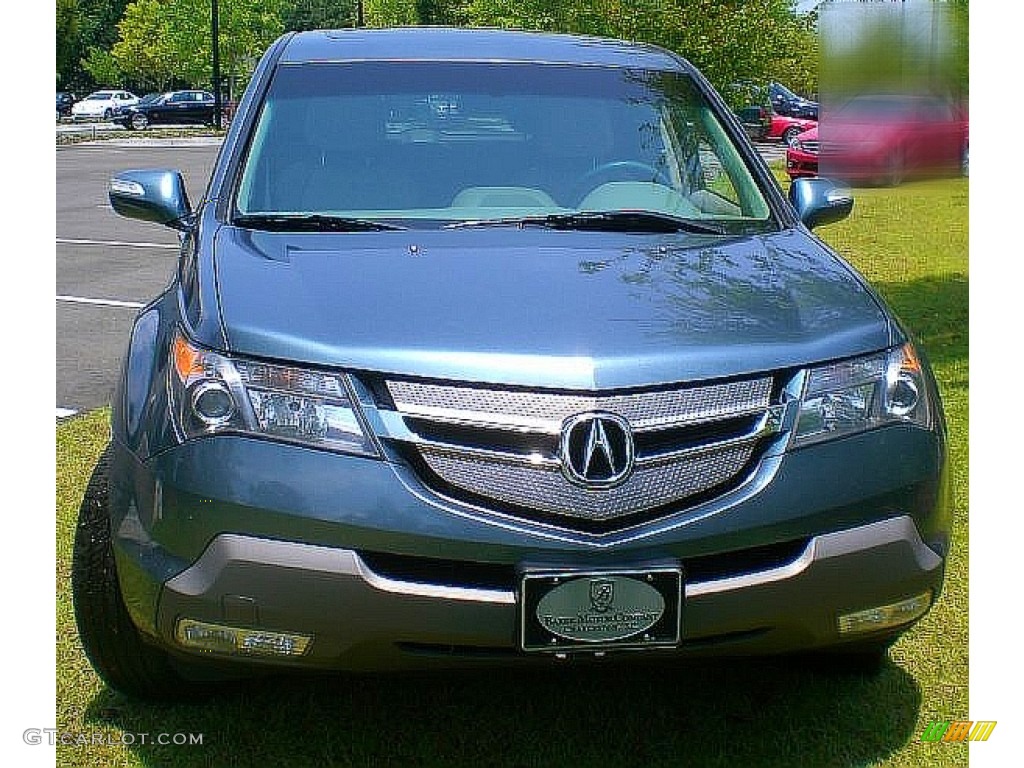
(547, 490)
(643, 410)
(488, 415)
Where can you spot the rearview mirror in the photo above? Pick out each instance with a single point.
(820, 201)
(156, 195)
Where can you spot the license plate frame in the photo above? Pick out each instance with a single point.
(586, 618)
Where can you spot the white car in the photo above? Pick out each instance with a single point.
(102, 104)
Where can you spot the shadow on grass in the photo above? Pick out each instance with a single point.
(736, 713)
(935, 310)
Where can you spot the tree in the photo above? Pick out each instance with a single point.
(390, 13)
(143, 50)
(164, 42)
(67, 38)
(728, 40)
(103, 68)
(97, 28)
(299, 15)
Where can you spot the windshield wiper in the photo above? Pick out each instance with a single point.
(607, 221)
(313, 222)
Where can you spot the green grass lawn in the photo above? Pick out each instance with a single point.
(911, 243)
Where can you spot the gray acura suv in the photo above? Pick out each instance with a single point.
(496, 347)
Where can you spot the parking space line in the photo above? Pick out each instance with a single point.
(101, 302)
(121, 243)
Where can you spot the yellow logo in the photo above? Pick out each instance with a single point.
(958, 730)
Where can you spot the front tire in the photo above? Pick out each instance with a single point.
(111, 641)
(789, 135)
(139, 122)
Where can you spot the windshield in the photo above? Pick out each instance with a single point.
(100, 96)
(785, 92)
(875, 108)
(426, 144)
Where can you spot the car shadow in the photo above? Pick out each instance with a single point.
(715, 713)
(936, 311)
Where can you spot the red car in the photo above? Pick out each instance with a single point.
(888, 138)
(802, 155)
(788, 128)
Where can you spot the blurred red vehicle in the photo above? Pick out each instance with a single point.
(802, 155)
(788, 128)
(887, 138)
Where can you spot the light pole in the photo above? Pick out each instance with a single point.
(215, 30)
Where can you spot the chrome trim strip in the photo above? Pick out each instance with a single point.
(530, 460)
(228, 548)
(435, 591)
(546, 412)
(769, 424)
(481, 419)
(827, 546)
(512, 423)
(788, 571)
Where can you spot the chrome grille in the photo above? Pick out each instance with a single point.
(546, 411)
(545, 489)
(810, 146)
(498, 447)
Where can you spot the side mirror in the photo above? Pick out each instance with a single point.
(820, 201)
(157, 195)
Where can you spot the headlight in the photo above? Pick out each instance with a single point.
(854, 395)
(211, 394)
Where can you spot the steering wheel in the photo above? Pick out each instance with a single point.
(619, 170)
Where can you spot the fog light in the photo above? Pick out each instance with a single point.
(239, 640)
(212, 402)
(885, 616)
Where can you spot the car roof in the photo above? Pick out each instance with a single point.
(451, 44)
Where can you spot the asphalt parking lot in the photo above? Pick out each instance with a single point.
(109, 266)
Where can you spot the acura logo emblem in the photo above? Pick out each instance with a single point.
(596, 449)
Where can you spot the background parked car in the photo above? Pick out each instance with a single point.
(887, 138)
(65, 100)
(102, 104)
(174, 107)
(802, 155)
(752, 106)
(788, 128)
(785, 102)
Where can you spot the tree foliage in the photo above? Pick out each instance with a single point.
(143, 49)
(103, 68)
(159, 43)
(728, 40)
(318, 14)
(166, 42)
(97, 31)
(67, 37)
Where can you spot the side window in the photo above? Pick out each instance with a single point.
(716, 178)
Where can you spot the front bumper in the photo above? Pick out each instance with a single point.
(801, 164)
(381, 573)
(359, 619)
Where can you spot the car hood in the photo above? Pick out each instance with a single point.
(541, 308)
